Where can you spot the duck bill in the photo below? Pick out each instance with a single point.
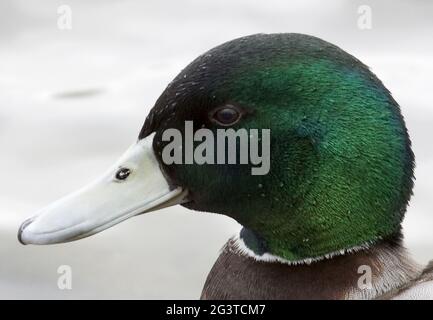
(134, 185)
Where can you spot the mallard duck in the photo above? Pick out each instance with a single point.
(323, 222)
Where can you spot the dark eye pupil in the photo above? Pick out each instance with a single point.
(226, 115)
(123, 173)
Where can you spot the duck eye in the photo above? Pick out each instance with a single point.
(226, 115)
(123, 173)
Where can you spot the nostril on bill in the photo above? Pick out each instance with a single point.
(22, 227)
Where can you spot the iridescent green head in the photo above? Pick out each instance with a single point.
(341, 169)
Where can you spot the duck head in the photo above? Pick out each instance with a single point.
(340, 169)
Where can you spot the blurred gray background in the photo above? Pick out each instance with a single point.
(71, 101)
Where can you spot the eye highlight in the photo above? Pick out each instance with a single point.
(226, 115)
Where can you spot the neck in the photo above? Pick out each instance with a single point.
(364, 274)
(252, 245)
